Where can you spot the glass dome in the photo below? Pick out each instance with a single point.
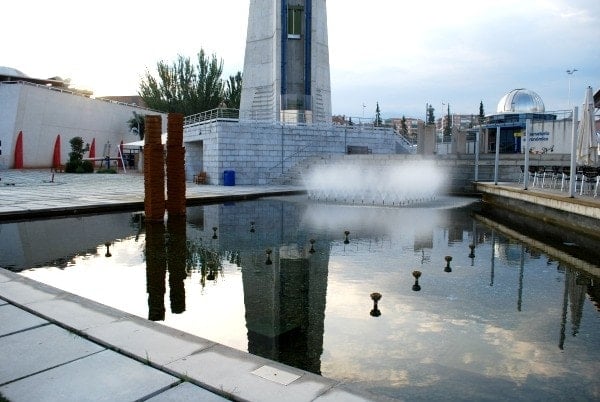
(521, 101)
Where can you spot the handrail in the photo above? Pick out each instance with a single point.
(211, 115)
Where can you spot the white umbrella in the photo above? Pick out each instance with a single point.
(585, 142)
(141, 143)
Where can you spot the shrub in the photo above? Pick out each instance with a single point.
(88, 167)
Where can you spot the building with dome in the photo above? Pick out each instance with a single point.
(512, 113)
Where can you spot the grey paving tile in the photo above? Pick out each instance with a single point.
(76, 312)
(187, 392)
(147, 340)
(38, 349)
(5, 275)
(339, 395)
(13, 319)
(105, 376)
(230, 370)
(21, 291)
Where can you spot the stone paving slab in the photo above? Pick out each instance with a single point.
(187, 392)
(30, 193)
(148, 341)
(104, 376)
(25, 353)
(13, 319)
(229, 370)
(76, 313)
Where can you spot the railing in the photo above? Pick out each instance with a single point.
(212, 115)
(292, 160)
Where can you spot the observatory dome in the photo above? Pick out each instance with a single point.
(521, 101)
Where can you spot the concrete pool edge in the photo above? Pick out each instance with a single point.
(224, 371)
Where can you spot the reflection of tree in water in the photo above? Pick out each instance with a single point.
(169, 250)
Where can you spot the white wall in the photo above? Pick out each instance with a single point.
(259, 152)
(42, 114)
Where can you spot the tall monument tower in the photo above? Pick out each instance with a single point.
(286, 66)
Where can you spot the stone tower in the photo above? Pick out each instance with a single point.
(286, 66)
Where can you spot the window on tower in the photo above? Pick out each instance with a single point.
(294, 22)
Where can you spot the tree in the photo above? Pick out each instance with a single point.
(481, 113)
(137, 124)
(430, 116)
(233, 91)
(448, 125)
(378, 121)
(403, 126)
(76, 164)
(182, 87)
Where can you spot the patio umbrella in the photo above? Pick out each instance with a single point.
(585, 142)
(56, 154)
(19, 151)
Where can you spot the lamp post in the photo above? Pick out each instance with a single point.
(570, 72)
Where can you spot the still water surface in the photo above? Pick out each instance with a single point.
(504, 321)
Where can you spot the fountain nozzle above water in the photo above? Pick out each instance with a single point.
(375, 312)
(268, 251)
(448, 259)
(416, 274)
(108, 254)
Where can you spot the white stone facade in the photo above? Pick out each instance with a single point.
(280, 68)
(262, 152)
(42, 114)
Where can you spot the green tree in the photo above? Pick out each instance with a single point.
(233, 91)
(76, 164)
(378, 121)
(183, 87)
(430, 115)
(481, 113)
(448, 125)
(403, 126)
(137, 124)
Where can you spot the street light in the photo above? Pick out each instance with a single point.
(570, 72)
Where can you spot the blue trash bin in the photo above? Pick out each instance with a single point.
(229, 178)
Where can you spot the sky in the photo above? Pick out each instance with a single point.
(400, 54)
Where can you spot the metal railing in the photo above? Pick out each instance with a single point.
(212, 115)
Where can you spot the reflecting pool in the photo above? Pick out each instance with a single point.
(507, 315)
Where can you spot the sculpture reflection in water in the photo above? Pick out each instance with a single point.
(166, 253)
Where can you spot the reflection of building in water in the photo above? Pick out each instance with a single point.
(55, 242)
(285, 306)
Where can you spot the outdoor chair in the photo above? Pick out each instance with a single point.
(533, 175)
(589, 177)
(201, 178)
(555, 174)
(566, 178)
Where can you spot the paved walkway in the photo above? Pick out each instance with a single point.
(30, 193)
(56, 346)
